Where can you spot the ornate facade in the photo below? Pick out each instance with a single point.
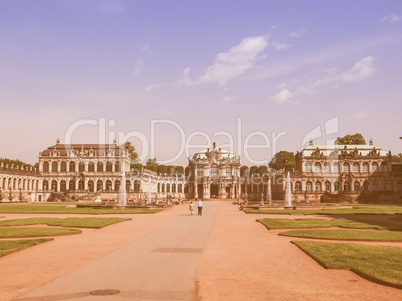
(345, 173)
(214, 173)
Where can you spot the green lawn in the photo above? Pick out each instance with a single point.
(52, 209)
(366, 235)
(303, 223)
(35, 232)
(381, 264)
(10, 246)
(75, 222)
(354, 210)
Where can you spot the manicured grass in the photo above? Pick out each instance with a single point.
(35, 232)
(303, 223)
(381, 264)
(366, 235)
(75, 222)
(10, 246)
(51, 209)
(355, 210)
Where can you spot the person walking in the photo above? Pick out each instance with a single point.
(199, 205)
(191, 208)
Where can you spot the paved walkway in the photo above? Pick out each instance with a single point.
(222, 255)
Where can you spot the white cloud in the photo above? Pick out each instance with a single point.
(361, 70)
(229, 98)
(152, 87)
(146, 49)
(111, 7)
(391, 19)
(282, 96)
(236, 61)
(185, 80)
(139, 68)
(280, 46)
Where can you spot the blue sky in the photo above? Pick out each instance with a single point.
(280, 68)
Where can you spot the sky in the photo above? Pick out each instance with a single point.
(172, 77)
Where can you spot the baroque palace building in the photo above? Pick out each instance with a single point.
(346, 173)
(324, 173)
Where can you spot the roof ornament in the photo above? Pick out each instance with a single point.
(214, 144)
(58, 141)
(114, 141)
(371, 141)
(311, 142)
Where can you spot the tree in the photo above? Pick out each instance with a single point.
(162, 169)
(262, 170)
(152, 165)
(397, 158)
(283, 160)
(171, 170)
(137, 166)
(351, 139)
(130, 149)
(179, 170)
(244, 171)
(253, 170)
(17, 163)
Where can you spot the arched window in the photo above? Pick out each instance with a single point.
(298, 186)
(163, 188)
(228, 171)
(200, 171)
(81, 166)
(327, 167)
(99, 185)
(71, 167)
(356, 167)
(356, 186)
(255, 188)
(214, 170)
(374, 167)
(317, 167)
(63, 166)
(375, 186)
(365, 167)
(318, 186)
(327, 186)
(63, 186)
(309, 186)
(99, 166)
(346, 186)
(336, 186)
(173, 188)
(366, 186)
(180, 188)
(336, 167)
(54, 185)
(45, 166)
(81, 185)
(108, 185)
(168, 188)
(128, 185)
(346, 167)
(384, 185)
(91, 166)
(243, 188)
(45, 185)
(137, 185)
(308, 167)
(54, 166)
(384, 167)
(117, 166)
(71, 185)
(159, 187)
(91, 186)
(248, 188)
(109, 167)
(117, 185)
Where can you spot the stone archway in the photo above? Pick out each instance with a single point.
(200, 189)
(214, 190)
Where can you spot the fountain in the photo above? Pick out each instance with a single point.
(123, 192)
(269, 197)
(288, 194)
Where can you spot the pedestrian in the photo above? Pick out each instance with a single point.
(191, 208)
(199, 205)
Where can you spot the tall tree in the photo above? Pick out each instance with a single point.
(262, 170)
(244, 170)
(253, 170)
(397, 158)
(351, 139)
(179, 170)
(130, 149)
(283, 160)
(162, 169)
